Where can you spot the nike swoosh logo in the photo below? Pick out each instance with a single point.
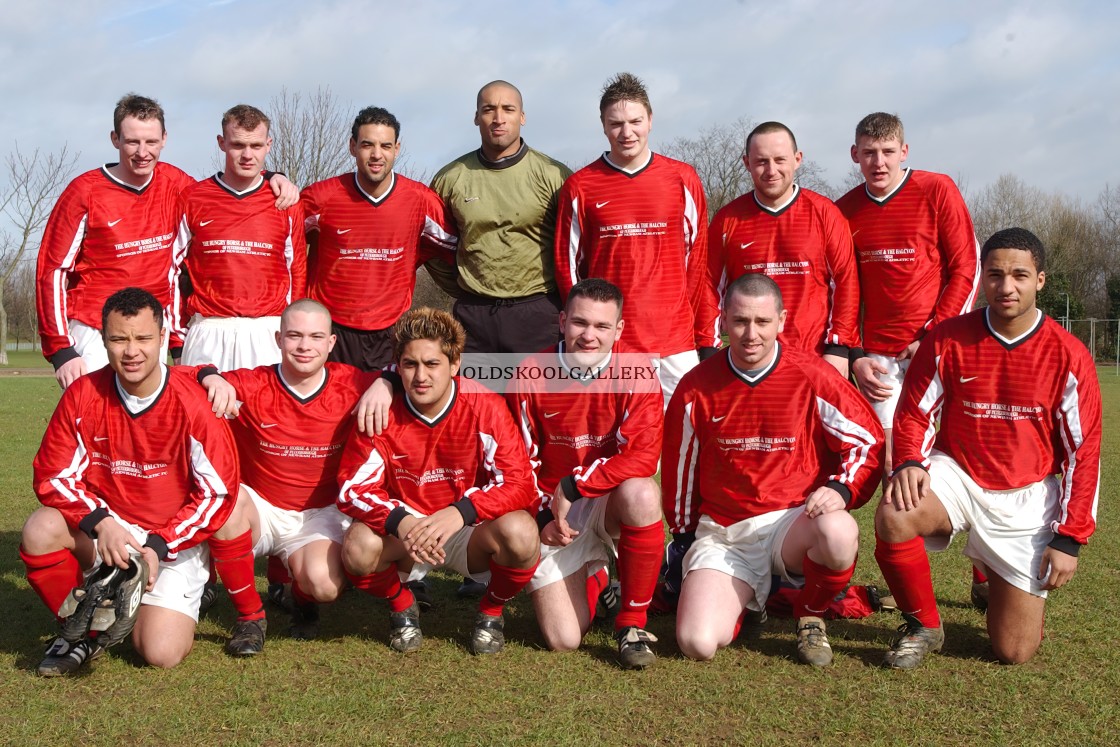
(205, 222)
(640, 604)
(551, 414)
(716, 420)
(400, 456)
(970, 378)
(268, 425)
(601, 204)
(471, 199)
(115, 222)
(744, 246)
(100, 438)
(344, 230)
(855, 232)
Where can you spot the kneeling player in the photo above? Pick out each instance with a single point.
(132, 463)
(1017, 400)
(593, 432)
(766, 450)
(292, 424)
(447, 483)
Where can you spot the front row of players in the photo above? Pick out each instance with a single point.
(765, 452)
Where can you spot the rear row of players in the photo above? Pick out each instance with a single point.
(227, 259)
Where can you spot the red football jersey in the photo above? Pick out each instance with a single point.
(598, 432)
(806, 248)
(919, 261)
(365, 251)
(290, 447)
(1011, 412)
(737, 447)
(104, 235)
(168, 469)
(470, 455)
(243, 256)
(645, 231)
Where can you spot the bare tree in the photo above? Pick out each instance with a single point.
(310, 135)
(34, 183)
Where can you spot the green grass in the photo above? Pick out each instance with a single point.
(26, 358)
(348, 688)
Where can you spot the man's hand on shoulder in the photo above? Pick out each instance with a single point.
(70, 371)
(287, 194)
(222, 396)
(373, 407)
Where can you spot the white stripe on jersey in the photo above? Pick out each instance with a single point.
(690, 225)
(489, 450)
(178, 256)
(575, 234)
(67, 481)
(289, 258)
(848, 432)
(932, 400)
(435, 232)
(685, 470)
(1069, 424)
(58, 281)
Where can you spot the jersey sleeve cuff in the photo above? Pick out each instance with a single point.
(544, 518)
(706, 352)
(467, 510)
(393, 377)
(207, 371)
(1065, 544)
(844, 491)
(855, 354)
(908, 463)
(571, 491)
(393, 522)
(158, 545)
(91, 520)
(177, 354)
(837, 350)
(63, 356)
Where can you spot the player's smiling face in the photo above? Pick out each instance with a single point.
(139, 142)
(627, 125)
(1011, 285)
(499, 118)
(426, 374)
(133, 346)
(245, 150)
(305, 340)
(772, 162)
(590, 329)
(880, 162)
(752, 325)
(375, 151)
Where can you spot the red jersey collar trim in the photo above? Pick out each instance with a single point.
(1016, 342)
(628, 172)
(753, 381)
(124, 185)
(296, 395)
(137, 406)
(781, 208)
(887, 197)
(261, 181)
(376, 201)
(433, 422)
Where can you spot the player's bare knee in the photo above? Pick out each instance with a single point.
(361, 550)
(1017, 651)
(44, 531)
(562, 638)
(638, 502)
(696, 644)
(161, 651)
(320, 586)
(238, 522)
(518, 542)
(892, 525)
(837, 539)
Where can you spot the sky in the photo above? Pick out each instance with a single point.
(984, 88)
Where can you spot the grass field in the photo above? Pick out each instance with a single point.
(26, 358)
(349, 688)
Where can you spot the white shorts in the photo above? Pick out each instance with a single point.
(896, 371)
(749, 550)
(670, 369)
(284, 531)
(455, 554)
(91, 347)
(180, 582)
(593, 545)
(234, 342)
(1008, 530)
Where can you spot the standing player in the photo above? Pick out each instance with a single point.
(447, 483)
(292, 423)
(918, 261)
(244, 259)
(503, 201)
(594, 438)
(132, 463)
(798, 238)
(112, 227)
(1015, 463)
(368, 232)
(766, 450)
(640, 221)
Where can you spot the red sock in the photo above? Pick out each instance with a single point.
(387, 585)
(505, 582)
(596, 582)
(233, 562)
(639, 562)
(52, 576)
(905, 566)
(978, 576)
(739, 624)
(822, 584)
(277, 571)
